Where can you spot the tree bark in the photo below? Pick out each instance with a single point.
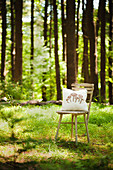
(57, 66)
(18, 39)
(70, 29)
(85, 65)
(77, 38)
(32, 35)
(63, 30)
(45, 44)
(92, 37)
(110, 50)
(103, 60)
(50, 50)
(63, 37)
(12, 39)
(3, 40)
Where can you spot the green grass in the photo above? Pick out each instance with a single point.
(27, 139)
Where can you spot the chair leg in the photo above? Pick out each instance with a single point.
(72, 127)
(58, 126)
(76, 128)
(86, 124)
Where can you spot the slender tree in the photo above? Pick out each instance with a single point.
(32, 35)
(18, 39)
(70, 30)
(3, 40)
(50, 48)
(57, 66)
(85, 69)
(103, 60)
(111, 49)
(12, 39)
(63, 29)
(32, 44)
(63, 35)
(45, 44)
(77, 38)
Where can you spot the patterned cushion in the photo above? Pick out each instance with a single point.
(74, 100)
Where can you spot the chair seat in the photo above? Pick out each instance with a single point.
(72, 112)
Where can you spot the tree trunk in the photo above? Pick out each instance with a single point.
(57, 67)
(63, 37)
(18, 38)
(85, 65)
(70, 29)
(32, 45)
(32, 35)
(12, 39)
(103, 61)
(50, 51)
(63, 29)
(110, 50)
(77, 38)
(45, 44)
(3, 40)
(92, 37)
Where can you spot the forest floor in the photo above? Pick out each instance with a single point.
(27, 139)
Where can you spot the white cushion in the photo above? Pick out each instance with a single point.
(74, 100)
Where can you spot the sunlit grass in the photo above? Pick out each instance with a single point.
(33, 143)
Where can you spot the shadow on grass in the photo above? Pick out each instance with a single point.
(53, 162)
(58, 164)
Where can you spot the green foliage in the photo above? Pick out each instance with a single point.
(9, 116)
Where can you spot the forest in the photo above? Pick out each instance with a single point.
(48, 45)
(45, 46)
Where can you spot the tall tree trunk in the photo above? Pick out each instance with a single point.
(92, 37)
(12, 39)
(63, 29)
(32, 35)
(110, 50)
(103, 60)
(63, 36)
(77, 38)
(18, 38)
(85, 65)
(3, 40)
(32, 44)
(50, 50)
(45, 44)
(57, 67)
(71, 77)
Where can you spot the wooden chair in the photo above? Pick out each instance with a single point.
(75, 86)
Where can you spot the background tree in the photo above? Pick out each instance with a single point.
(77, 37)
(91, 37)
(32, 35)
(45, 44)
(103, 60)
(32, 44)
(3, 40)
(18, 39)
(70, 25)
(50, 46)
(111, 51)
(57, 67)
(12, 38)
(85, 65)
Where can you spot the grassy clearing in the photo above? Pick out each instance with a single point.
(27, 139)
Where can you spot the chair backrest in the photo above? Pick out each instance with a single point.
(90, 88)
